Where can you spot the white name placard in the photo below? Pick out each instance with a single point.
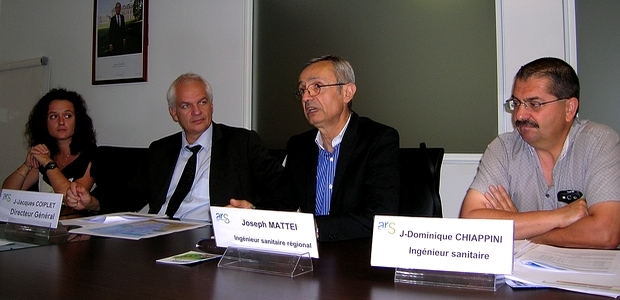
(287, 232)
(30, 208)
(458, 245)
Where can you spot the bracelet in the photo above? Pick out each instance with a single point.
(29, 167)
(20, 174)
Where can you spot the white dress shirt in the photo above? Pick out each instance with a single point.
(196, 204)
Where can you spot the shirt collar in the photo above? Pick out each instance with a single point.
(203, 140)
(570, 137)
(319, 140)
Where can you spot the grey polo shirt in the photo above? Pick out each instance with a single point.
(589, 162)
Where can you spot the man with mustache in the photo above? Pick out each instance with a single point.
(556, 176)
(227, 162)
(345, 170)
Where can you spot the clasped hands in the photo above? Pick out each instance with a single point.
(79, 198)
(38, 155)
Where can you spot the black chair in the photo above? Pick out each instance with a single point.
(279, 154)
(113, 168)
(419, 181)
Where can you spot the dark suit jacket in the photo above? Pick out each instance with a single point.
(240, 168)
(117, 33)
(366, 183)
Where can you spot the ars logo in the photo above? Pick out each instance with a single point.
(389, 226)
(222, 217)
(7, 197)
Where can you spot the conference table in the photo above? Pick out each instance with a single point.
(108, 268)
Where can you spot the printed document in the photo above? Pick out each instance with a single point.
(581, 270)
(129, 225)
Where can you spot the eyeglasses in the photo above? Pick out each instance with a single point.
(512, 104)
(313, 89)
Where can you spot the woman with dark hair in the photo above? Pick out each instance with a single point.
(62, 141)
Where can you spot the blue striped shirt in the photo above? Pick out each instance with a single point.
(326, 171)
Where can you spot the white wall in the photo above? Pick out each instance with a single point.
(212, 38)
(457, 172)
(531, 29)
(203, 36)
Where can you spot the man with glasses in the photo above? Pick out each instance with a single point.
(345, 170)
(556, 176)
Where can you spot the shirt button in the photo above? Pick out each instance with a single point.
(547, 195)
(330, 186)
(331, 159)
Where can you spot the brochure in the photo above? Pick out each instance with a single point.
(189, 257)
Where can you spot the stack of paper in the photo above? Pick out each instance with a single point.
(129, 225)
(581, 270)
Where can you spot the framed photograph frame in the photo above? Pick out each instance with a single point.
(120, 41)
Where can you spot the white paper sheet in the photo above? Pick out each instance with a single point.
(604, 281)
(129, 225)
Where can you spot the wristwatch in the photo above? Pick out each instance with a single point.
(50, 166)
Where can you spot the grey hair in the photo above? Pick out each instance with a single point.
(171, 95)
(342, 68)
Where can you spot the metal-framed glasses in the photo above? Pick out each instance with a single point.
(513, 103)
(313, 89)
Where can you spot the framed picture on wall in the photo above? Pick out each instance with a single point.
(120, 41)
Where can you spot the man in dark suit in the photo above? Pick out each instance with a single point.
(230, 162)
(345, 171)
(116, 32)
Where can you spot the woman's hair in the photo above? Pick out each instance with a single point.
(84, 135)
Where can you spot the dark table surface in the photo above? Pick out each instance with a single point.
(105, 268)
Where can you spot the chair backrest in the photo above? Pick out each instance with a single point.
(420, 170)
(279, 154)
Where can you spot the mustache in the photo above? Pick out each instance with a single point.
(530, 123)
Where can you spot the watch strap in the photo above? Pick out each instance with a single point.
(50, 166)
